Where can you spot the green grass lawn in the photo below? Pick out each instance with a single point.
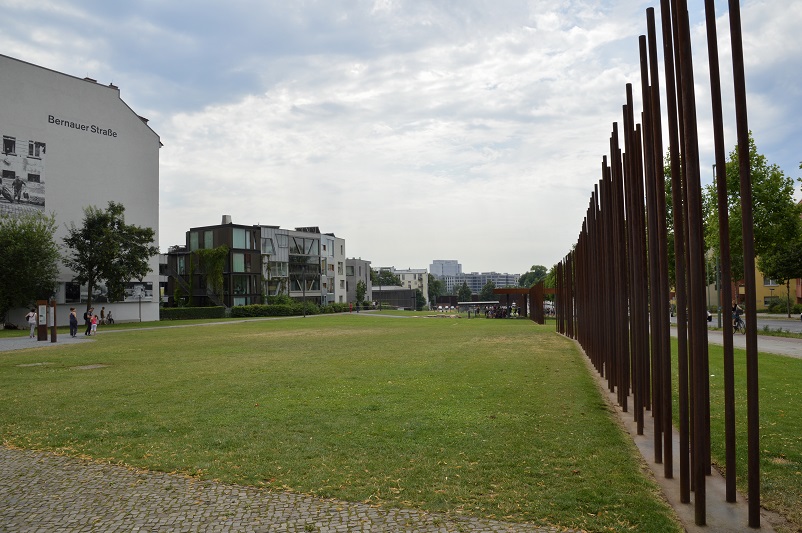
(780, 382)
(492, 418)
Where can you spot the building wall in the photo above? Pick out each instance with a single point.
(445, 267)
(82, 146)
(358, 270)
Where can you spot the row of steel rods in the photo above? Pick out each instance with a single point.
(613, 288)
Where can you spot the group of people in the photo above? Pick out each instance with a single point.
(90, 319)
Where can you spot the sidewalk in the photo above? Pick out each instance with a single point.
(42, 492)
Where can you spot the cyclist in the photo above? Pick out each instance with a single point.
(737, 311)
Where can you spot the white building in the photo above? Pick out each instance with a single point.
(75, 143)
(412, 278)
(476, 281)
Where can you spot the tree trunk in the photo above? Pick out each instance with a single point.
(788, 295)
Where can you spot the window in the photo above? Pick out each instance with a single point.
(208, 239)
(193, 241)
(242, 238)
(767, 282)
(349, 270)
(238, 263)
(9, 145)
(342, 283)
(72, 292)
(278, 270)
(36, 149)
(241, 284)
(267, 246)
(181, 264)
(282, 240)
(34, 178)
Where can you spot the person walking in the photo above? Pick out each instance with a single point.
(94, 324)
(88, 320)
(73, 322)
(31, 317)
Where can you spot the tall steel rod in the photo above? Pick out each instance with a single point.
(724, 247)
(747, 233)
(653, 247)
(677, 198)
(661, 298)
(696, 296)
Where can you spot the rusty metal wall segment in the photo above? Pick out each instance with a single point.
(613, 288)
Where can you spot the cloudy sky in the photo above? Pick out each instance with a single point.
(417, 130)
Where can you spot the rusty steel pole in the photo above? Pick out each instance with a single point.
(747, 233)
(724, 247)
(677, 197)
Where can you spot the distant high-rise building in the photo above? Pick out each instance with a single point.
(445, 267)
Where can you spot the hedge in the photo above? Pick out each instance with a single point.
(246, 311)
(190, 313)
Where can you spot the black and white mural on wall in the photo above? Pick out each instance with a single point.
(22, 171)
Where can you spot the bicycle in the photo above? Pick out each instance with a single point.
(739, 325)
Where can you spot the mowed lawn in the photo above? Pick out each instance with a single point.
(492, 418)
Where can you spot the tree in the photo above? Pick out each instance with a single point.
(536, 274)
(436, 288)
(107, 249)
(420, 301)
(384, 278)
(782, 265)
(212, 263)
(464, 293)
(486, 294)
(776, 215)
(29, 260)
(361, 290)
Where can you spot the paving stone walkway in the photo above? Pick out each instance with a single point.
(43, 492)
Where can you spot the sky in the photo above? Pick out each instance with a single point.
(416, 130)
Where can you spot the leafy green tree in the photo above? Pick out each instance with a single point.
(464, 293)
(535, 275)
(550, 281)
(420, 301)
(384, 278)
(776, 214)
(361, 290)
(105, 248)
(212, 264)
(486, 294)
(436, 288)
(29, 260)
(783, 264)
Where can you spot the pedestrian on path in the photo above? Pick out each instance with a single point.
(73, 322)
(31, 317)
(88, 320)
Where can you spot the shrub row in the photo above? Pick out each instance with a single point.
(190, 313)
(245, 311)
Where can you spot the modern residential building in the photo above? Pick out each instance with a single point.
(357, 270)
(70, 143)
(261, 261)
(445, 267)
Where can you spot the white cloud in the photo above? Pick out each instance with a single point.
(466, 129)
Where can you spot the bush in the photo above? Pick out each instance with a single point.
(190, 313)
(335, 308)
(242, 311)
